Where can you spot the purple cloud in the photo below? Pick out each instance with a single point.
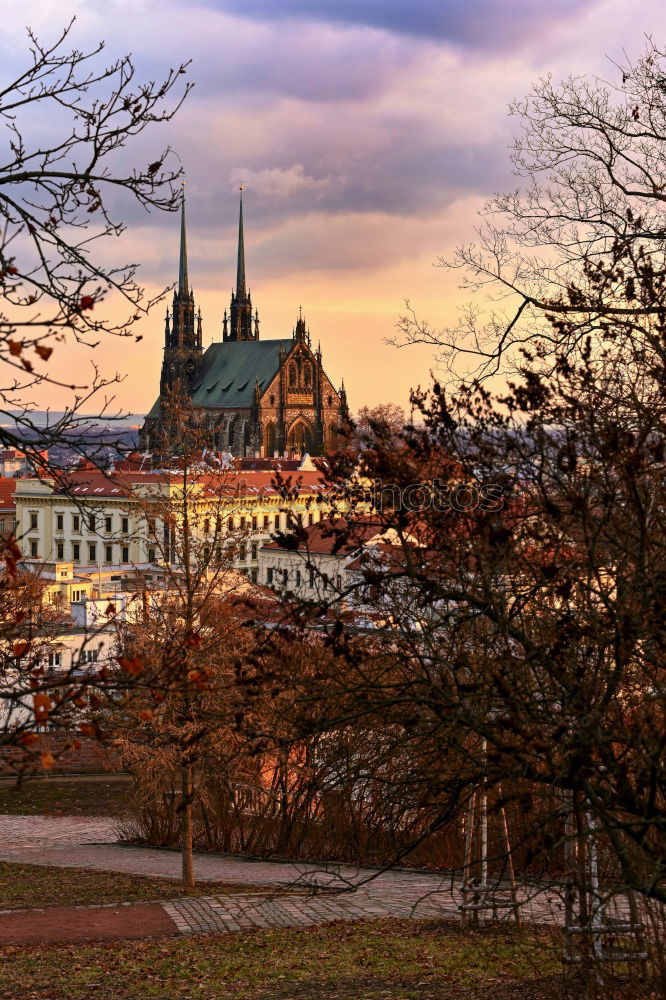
(471, 23)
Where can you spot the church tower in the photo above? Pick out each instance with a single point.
(182, 334)
(256, 397)
(240, 322)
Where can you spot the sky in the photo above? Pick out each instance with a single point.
(367, 133)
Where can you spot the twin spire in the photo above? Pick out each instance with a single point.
(241, 325)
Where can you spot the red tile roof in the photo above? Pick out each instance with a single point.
(7, 487)
(91, 483)
(334, 536)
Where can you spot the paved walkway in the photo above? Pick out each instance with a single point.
(89, 842)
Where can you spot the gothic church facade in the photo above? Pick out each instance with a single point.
(261, 397)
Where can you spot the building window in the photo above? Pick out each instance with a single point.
(329, 400)
(230, 524)
(92, 522)
(33, 548)
(60, 550)
(125, 554)
(33, 520)
(55, 659)
(255, 523)
(76, 522)
(151, 554)
(151, 525)
(242, 551)
(272, 400)
(207, 526)
(92, 552)
(307, 374)
(241, 524)
(276, 522)
(253, 551)
(285, 577)
(218, 553)
(89, 656)
(108, 553)
(292, 375)
(76, 551)
(298, 577)
(311, 518)
(254, 574)
(269, 575)
(267, 522)
(108, 525)
(312, 578)
(125, 524)
(60, 522)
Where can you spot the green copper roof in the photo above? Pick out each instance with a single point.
(229, 372)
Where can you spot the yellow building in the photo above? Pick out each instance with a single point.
(101, 523)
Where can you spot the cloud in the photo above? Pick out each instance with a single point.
(482, 24)
(361, 128)
(284, 183)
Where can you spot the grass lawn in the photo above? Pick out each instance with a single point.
(51, 797)
(43, 885)
(373, 960)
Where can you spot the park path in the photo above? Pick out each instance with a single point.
(91, 842)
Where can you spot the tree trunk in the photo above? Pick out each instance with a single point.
(187, 878)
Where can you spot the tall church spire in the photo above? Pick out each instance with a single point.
(240, 265)
(183, 333)
(240, 312)
(183, 278)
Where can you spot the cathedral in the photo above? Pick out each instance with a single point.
(261, 397)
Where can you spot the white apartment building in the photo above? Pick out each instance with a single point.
(317, 570)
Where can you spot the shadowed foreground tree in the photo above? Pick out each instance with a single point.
(523, 645)
(62, 188)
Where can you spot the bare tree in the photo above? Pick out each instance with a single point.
(183, 646)
(591, 157)
(61, 198)
(386, 420)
